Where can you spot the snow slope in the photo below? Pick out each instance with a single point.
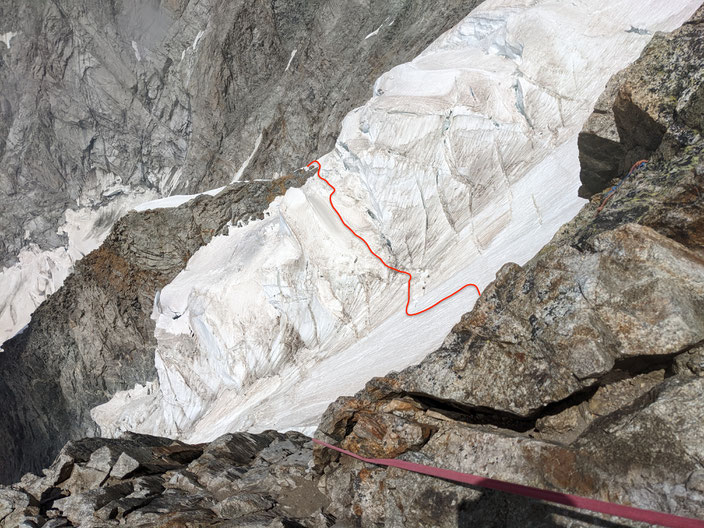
(464, 159)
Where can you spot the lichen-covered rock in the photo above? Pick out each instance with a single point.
(17, 507)
(651, 111)
(237, 480)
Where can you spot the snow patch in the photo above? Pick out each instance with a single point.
(25, 285)
(175, 200)
(197, 40)
(374, 32)
(240, 171)
(7, 38)
(135, 47)
(293, 54)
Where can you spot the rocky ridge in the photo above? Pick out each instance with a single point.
(595, 355)
(580, 371)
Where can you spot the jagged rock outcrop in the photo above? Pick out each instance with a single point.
(95, 336)
(652, 112)
(580, 371)
(167, 98)
(239, 479)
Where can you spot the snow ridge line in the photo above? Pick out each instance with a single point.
(410, 277)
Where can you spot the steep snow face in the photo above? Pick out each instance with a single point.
(464, 159)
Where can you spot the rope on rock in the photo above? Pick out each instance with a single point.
(608, 508)
(637, 165)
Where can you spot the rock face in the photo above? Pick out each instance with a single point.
(580, 371)
(145, 99)
(106, 105)
(651, 113)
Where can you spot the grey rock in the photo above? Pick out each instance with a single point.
(59, 522)
(124, 466)
(600, 151)
(237, 480)
(173, 96)
(652, 112)
(691, 362)
(102, 459)
(80, 507)
(16, 506)
(83, 478)
(241, 505)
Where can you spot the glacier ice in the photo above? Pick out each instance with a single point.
(464, 159)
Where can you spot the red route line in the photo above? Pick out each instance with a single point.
(609, 508)
(410, 277)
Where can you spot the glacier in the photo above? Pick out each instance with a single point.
(464, 159)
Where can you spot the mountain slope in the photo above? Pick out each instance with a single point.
(580, 371)
(109, 104)
(112, 104)
(464, 159)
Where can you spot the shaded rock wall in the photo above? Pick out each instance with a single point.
(652, 112)
(103, 99)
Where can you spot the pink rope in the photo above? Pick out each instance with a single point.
(627, 512)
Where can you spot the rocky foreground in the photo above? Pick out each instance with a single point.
(582, 371)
